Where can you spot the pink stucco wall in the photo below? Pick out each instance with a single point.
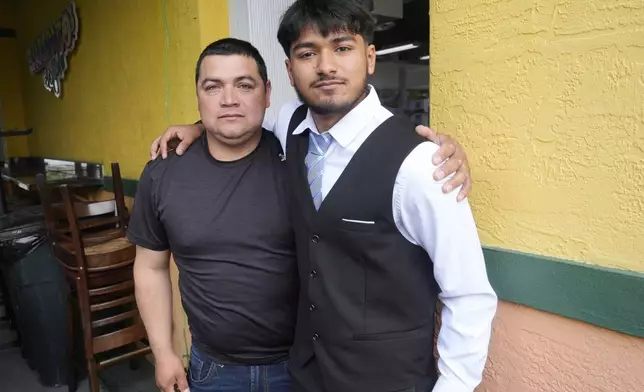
(533, 351)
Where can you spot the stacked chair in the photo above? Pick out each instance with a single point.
(88, 240)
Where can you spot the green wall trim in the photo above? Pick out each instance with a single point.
(129, 185)
(609, 298)
(605, 297)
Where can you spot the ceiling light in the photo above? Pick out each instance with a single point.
(425, 57)
(396, 49)
(385, 26)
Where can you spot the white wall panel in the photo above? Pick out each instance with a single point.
(238, 19)
(257, 21)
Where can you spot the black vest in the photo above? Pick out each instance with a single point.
(367, 295)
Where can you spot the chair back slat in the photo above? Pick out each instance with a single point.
(113, 303)
(128, 284)
(119, 338)
(115, 319)
(119, 195)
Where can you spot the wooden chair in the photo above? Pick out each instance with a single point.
(88, 239)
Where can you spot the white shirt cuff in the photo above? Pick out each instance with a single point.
(445, 385)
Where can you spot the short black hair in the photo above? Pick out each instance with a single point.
(233, 46)
(325, 16)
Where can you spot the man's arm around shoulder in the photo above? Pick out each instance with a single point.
(446, 229)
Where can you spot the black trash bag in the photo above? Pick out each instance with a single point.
(21, 232)
(37, 292)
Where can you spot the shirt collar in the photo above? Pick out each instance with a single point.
(349, 126)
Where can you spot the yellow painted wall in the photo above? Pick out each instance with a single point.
(548, 99)
(131, 75)
(114, 94)
(7, 14)
(11, 100)
(213, 20)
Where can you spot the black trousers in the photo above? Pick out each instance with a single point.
(311, 372)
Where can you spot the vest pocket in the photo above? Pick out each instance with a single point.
(368, 226)
(372, 337)
(381, 362)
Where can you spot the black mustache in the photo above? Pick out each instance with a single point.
(328, 79)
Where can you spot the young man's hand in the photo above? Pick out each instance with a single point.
(453, 159)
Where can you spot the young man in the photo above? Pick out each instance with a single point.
(222, 211)
(377, 243)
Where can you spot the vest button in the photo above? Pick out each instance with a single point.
(315, 239)
(312, 307)
(316, 336)
(313, 273)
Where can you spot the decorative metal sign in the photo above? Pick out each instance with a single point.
(48, 55)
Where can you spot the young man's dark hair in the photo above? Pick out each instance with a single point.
(233, 46)
(327, 17)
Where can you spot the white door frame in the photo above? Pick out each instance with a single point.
(256, 21)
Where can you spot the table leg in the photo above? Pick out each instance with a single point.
(3, 199)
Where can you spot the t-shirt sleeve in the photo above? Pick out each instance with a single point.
(145, 228)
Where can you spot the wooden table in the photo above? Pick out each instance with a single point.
(22, 172)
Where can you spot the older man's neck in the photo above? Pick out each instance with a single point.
(232, 150)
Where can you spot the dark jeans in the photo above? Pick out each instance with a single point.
(206, 375)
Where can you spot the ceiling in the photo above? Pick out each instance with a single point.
(412, 28)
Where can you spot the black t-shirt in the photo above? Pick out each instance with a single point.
(228, 228)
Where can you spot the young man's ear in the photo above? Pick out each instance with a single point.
(289, 70)
(371, 59)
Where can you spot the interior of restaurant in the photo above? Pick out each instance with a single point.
(81, 88)
(74, 136)
(402, 71)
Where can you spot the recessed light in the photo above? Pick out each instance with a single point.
(396, 49)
